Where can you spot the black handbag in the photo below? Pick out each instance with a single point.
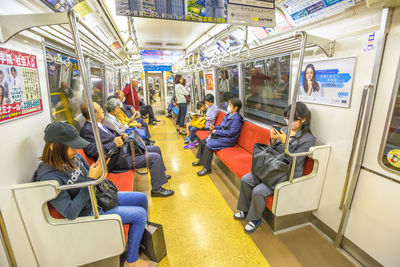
(107, 195)
(270, 166)
(153, 242)
(137, 148)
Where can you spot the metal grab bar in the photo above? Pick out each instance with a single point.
(88, 97)
(294, 97)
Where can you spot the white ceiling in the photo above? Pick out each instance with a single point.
(161, 34)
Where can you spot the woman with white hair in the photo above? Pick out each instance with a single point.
(112, 122)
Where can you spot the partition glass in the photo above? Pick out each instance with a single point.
(66, 88)
(227, 85)
(266, 88)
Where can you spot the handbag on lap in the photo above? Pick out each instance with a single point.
(107, 195)
(199, 124)
(270, 166)
(153, 242)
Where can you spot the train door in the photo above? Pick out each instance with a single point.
(155, 91)
(370, 220)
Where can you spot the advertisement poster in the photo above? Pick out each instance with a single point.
(252, 12)
(210, 82)
(211, 11)
(282, 24)
(302, 12)
(60, 5)
(19, 85)
(327, 82)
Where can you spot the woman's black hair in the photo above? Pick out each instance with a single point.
(301, 112)
(200, 104)
(209, 98)
(225, 73)
(236, 103)
(178, 78)
(315, 85)
(184, 82)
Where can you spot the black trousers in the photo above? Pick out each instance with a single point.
(147, 109)
(205, 154)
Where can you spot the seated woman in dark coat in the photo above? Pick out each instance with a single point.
(222, 136)
(253, 192)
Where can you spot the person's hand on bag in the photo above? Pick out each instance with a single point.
(118, 141)
(124, 136)
(211, 127)
(138, 125)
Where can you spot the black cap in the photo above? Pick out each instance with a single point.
(61, 132)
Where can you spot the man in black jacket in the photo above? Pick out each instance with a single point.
(112, 140)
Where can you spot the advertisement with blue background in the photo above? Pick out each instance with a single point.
(327, 82)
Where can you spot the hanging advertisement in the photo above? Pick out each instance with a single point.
(19, 85)
(206, 11)
(302, 12)
(252, 12)
(210, 81)
(327, 82)
(60, 5)
(282, 24)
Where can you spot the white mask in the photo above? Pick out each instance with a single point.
(121, 104)
(229, 109)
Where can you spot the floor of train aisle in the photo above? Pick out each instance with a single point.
(198, 222)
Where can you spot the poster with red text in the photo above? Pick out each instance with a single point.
(209, 82)
(19, 85)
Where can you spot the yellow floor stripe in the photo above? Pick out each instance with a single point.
(198, 223)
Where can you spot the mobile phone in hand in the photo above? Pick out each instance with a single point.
(277, 128)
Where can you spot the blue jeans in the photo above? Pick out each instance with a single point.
(193, 131)
(132, 208)
(181, 114)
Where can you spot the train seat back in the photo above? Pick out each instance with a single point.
(80, 237)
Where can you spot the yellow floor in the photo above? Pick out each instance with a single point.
(198, 223)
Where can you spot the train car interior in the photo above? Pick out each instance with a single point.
(199, 133)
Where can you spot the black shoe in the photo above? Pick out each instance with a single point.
(196, 163)
(168, 176)
(169, 116)
(155, 120)
(162, 192)
(203, 172)
(151, 142)
(152, 123)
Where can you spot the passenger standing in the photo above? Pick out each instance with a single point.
(254, 192)
(132, 100)
(181, 92)
(222, 136)
(61, 162)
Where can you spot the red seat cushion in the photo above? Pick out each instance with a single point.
(236, 159)
(123, 180)
(252, 134)
(202, 134)
(220, 117)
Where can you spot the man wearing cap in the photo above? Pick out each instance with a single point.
(113, 140)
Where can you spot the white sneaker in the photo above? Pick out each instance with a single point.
(240, 215)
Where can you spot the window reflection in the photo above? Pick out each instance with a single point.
(66, 89)
(266, 88)
(228, 85)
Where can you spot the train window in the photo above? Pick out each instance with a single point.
(66, 89)
(391, 151)
(266, 88)
(96, 84)
(228, 85)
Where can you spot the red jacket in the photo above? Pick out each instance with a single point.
(128, 96)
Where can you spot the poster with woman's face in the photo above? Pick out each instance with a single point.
(327, 82)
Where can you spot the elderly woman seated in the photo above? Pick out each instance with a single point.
(111, 120)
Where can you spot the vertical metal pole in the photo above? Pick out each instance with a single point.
(88, 97)
(296, 90)
(104, 83)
